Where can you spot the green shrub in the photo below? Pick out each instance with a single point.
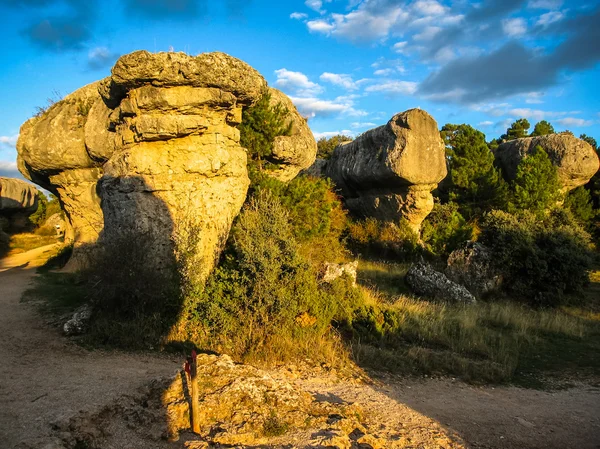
(261, 123)
(134, 304)
(386, 240)
(445, 229)
(536, 186)
(325, 146)
(541, 260)
(579, 202)
(264, 301)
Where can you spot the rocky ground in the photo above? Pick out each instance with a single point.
(54, 394)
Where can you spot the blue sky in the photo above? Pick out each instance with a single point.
(348, 65)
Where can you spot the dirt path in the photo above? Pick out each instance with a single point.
(45, 378)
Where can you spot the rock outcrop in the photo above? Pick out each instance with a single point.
(18, 200)
(426, 281)
(472, 266)
(153, 151)
(389, 172)
(575, 159)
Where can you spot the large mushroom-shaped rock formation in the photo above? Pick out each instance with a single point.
(18, 200)
(389, 172)
(153, 151)
(575, 159)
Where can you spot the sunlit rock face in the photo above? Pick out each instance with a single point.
(154, 151)
(575, 159)
(18, 200)
(389, 172)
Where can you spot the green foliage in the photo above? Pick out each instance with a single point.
(536, 185)
(264, 294)
(261, 123)
(579, 202)
(445, 229)
(39, 216)
(380, 239)
(326, 146)
(542, 128)
(476, 185)
(517, 130)
(541, 259)
(589, 140)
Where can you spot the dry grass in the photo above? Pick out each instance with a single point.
(495, 341)
(20, 243)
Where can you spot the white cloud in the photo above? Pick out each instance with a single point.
(485, 123)
(364, 24)
(298, 15)
(314, 4)
(394, 87)
(101, 57)
(383, 72)
(9, 140)
(534, 97)
(545, 4)
(9, 169)
(572, 121)
(312, 107)
(339, 79)
(297, 83)
(328, 134)
(550, 17)
(429, 7)
(514, 27)
(362, 125)
(400, 47)
(427, 34)
(320, 26)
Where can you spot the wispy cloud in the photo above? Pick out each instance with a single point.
(394, 87)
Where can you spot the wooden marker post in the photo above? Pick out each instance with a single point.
(194, 393)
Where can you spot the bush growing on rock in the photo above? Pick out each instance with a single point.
(542, 260)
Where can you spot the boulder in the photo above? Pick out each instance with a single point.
(153, 151)
(389, 172)
(78, 323)
(472, 266)
(18, 200)
(426, 281)
(297, 151)
(575, 159)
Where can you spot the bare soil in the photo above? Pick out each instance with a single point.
(45, 378)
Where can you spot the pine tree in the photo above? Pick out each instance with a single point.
(536, 185)
(261, 123)
(542, 128)
(476, 185)
(326, 146)
(517, 130)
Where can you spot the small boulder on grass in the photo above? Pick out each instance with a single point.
(78, 323)
(472, 266)
(425, 281)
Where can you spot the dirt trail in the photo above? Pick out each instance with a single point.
(44, 377)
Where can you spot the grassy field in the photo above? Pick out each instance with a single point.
(488, 341)
(20, 243)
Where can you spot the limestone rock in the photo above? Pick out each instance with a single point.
(317, 169)
(472, 266)
(297, 151)
(78, 323)
(575, 159)
(153, 152)
(18, 200)
(17, 196)
(389, 172)
(333, 271)
(425, 281)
